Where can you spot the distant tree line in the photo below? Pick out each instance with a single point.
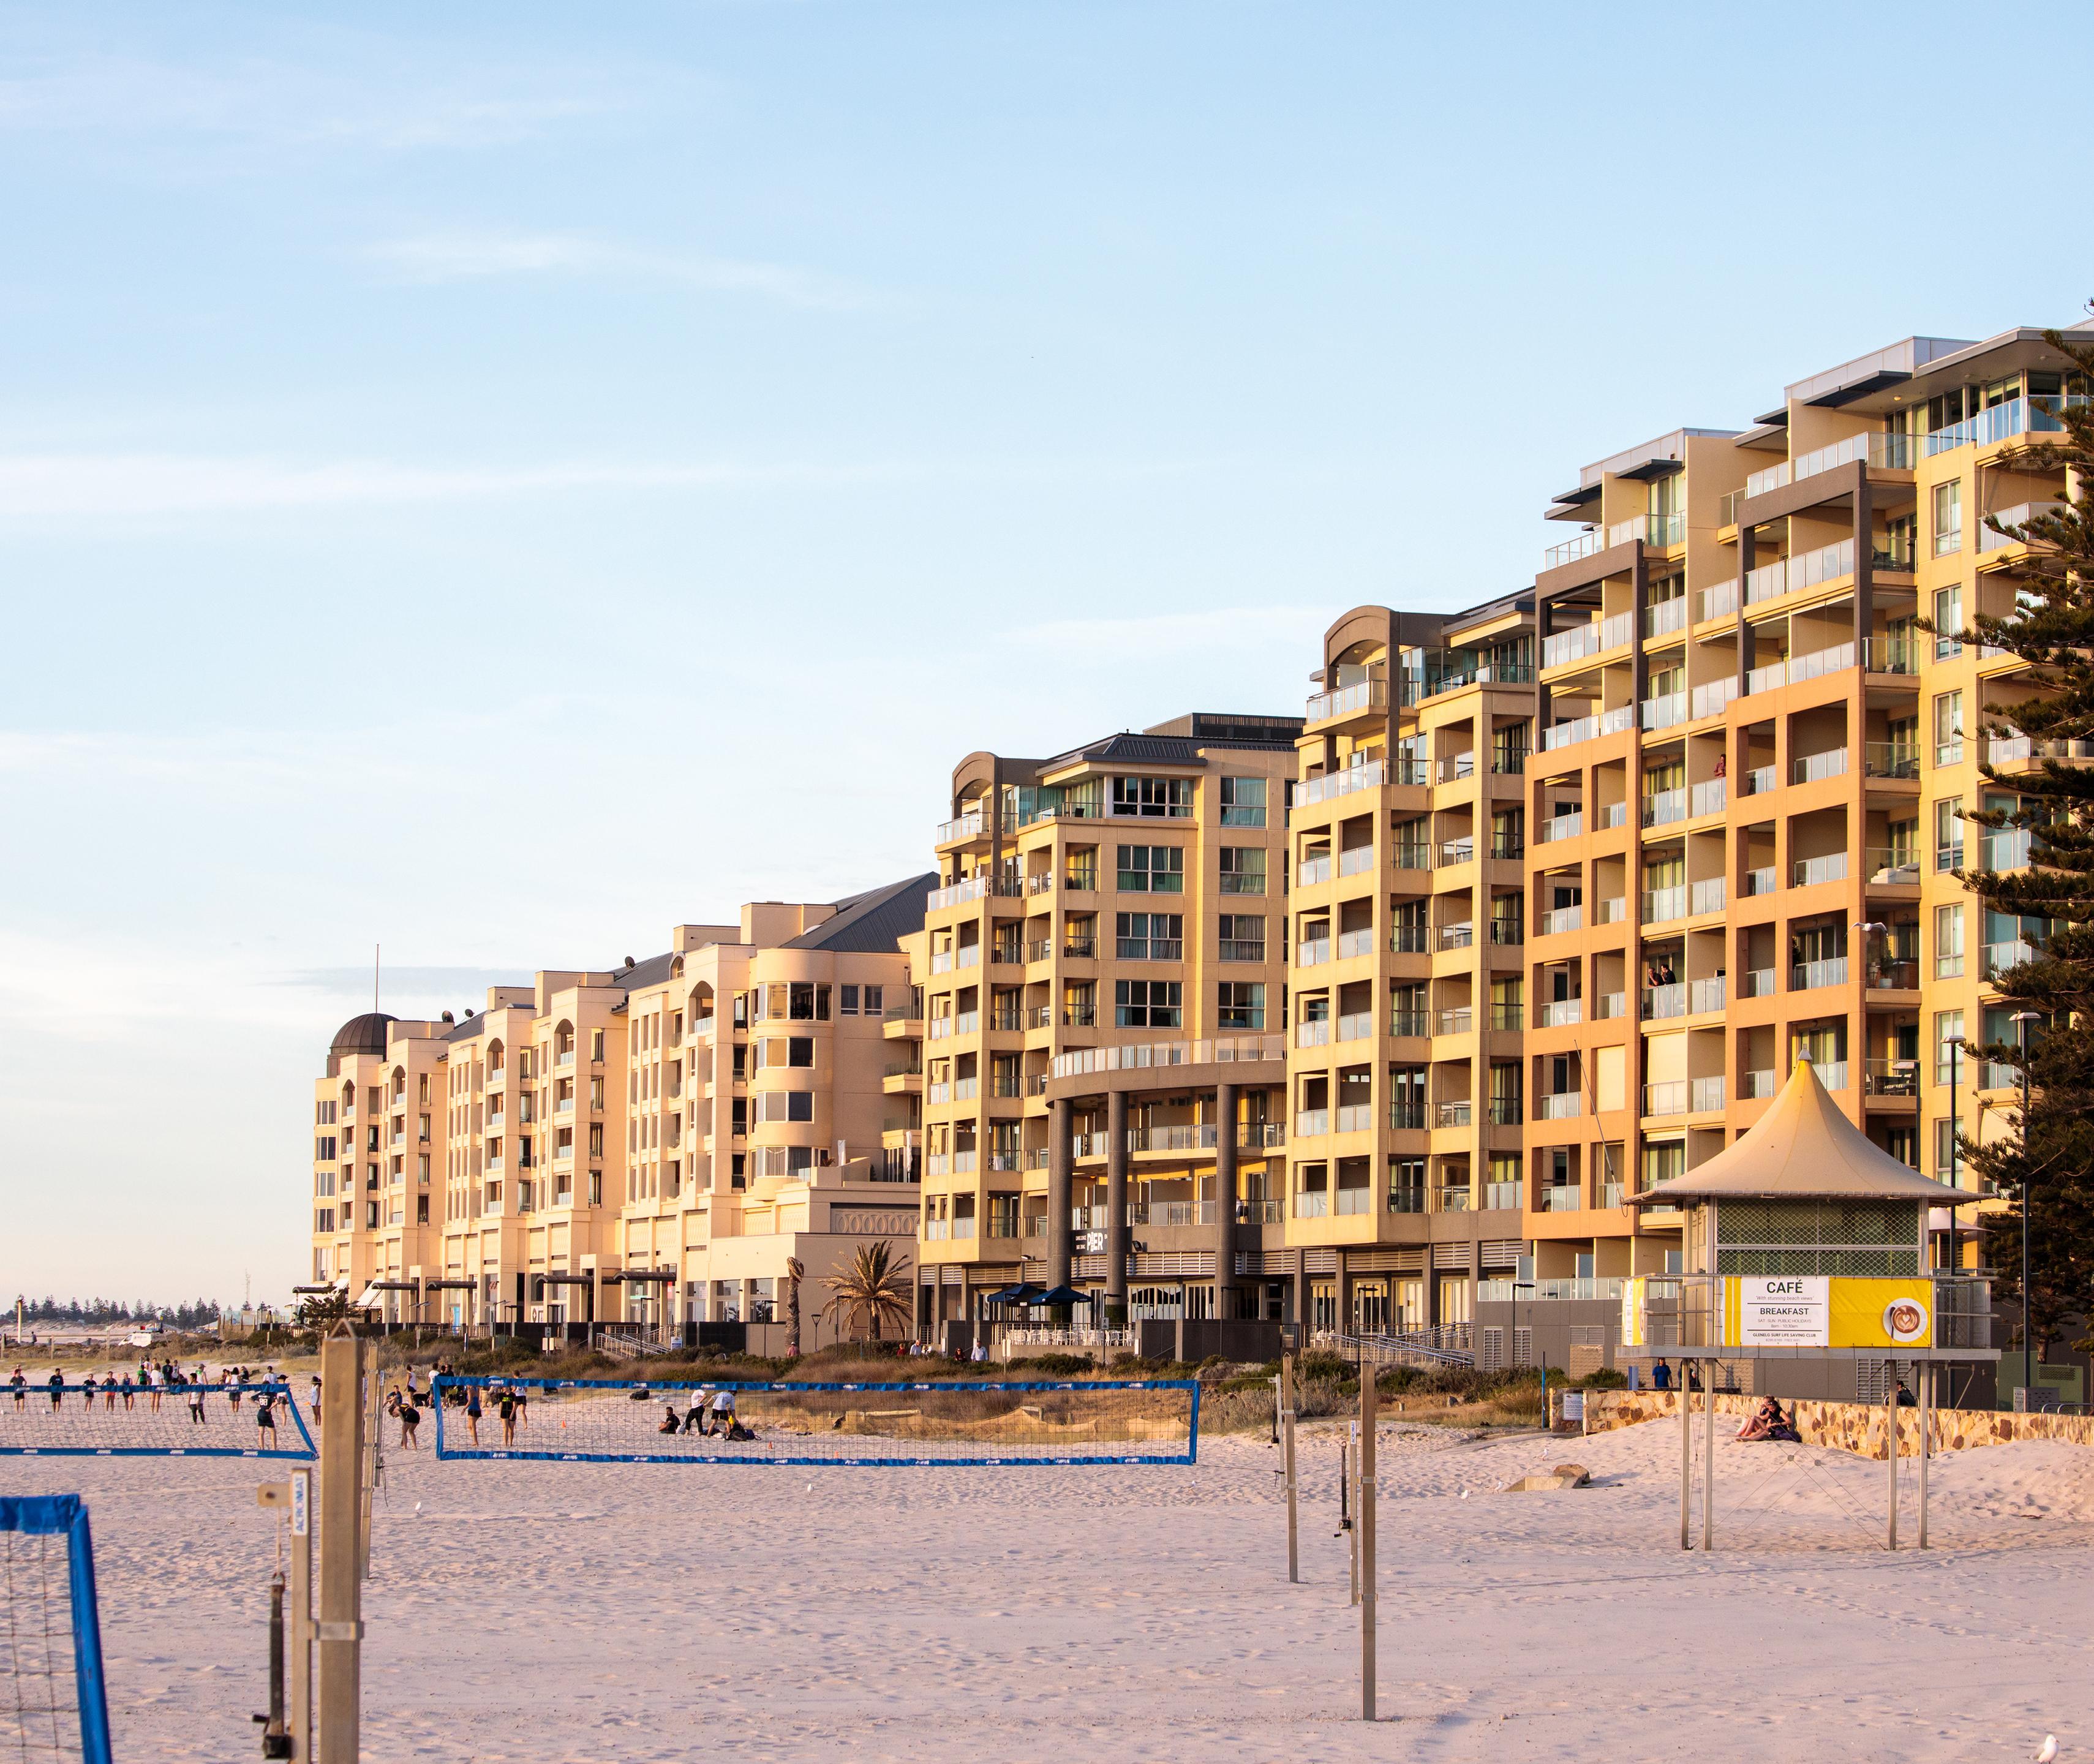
(199, 1313)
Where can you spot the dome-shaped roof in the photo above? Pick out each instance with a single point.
(361, 1035)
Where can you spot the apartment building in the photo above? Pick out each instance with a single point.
(1097, 1042)
(1745, 803)
(1408, 1004)
(651, 1144)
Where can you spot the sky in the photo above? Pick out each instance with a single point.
(496, 481)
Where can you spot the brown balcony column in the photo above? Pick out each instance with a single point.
(1060, 1158)
(1225, 1195)
(1746, 551)
(1116, 1236)
(1865, 581)
(1638, 663)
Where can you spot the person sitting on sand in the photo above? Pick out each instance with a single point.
(1760, 1423)
(1784, 1426)
(671, 1422)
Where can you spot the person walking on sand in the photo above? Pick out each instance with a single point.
(265, 1421)
(694, 1418)
(472, 1412)
(109, 1393)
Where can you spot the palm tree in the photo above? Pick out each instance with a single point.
(795, 1272)
(874, 1288)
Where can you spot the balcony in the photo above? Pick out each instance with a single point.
(1314, 1032)
(1457, 1022)
(1613, 912)
(1607, 1005)
(1411, 856)
(1891, 655)
(1759, 1085)
(1559, 1013)
(1357, 861)
(1170, 1213)
(1707, 895)
(1409, 939)
(1588, 544)
(1314, 870)
(1451, 1198)
(1814, 768)
(1662, 906)
(1561, 1197)
(1664, 713)
(1358, 1026)
(1409, 1199)
(1198, 1135)
(1711, 797)
(1460, 937)
(1809, 569)
(1891, 1078)
(1559, 919)
(1592, 639)
(1555, 826)
(1890, 866)
(1407, 1117)
(1338, 784)
(1758, 983)
(974, 888)
(1895, 452)
(1454, 1115)
(1719, 601)
(1564, 1106)
(1808, 976)
(1312, 1124)
(1705, 1096)
(1761, 881)
(2002, 422)
(1348, 701)
(1616, 722)
(1356, 943)
(1455, 851)
(1271, 1210)
(1705, 996)
(1661, 808)
(1832, 1074)
(1613, 815)
(1890, 759)
(1502, 1197)
(2020, 750)
(1808, 873)
(1660, 1002)
(1312, 1203)
(1079, 1016)
(964, 827)
(1312, 952)
(1652, 529)
(1664, 618)
(1664, 1099)
(1353, 1117)
(1409, 1023)
(2004, 850)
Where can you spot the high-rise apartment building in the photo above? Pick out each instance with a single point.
(1102, 973)
(652, 1143)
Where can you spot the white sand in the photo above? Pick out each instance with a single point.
(539, 1612)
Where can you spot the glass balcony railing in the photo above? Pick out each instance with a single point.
(1706, 896)
(1555, 826)
(1410, 856)
(1891, 866)
(1594, 638)
(1710, 797)
(1409, 1023)
(1609, 1004)
(1808, 873)
(1758, 1086)
(1757, 983)
(1792, 574)
(1366, 695)
(1665, 713)
(1652, 529)
(1660, 808)
(2007, 849)
(1563, 1106)
(1719, 601)
(1708, 995)
(1704, 1095)
(1708, 699)
(1559, 1013)
(2002, 422)
(1339, 784)
(1665, 617)
(1814, 768)
(1586, 545)
(1663, 1001)
(1559, 919)
(1664, 1099)
(1761, 881)
(1616, 722)
(1995, 959)
(1661, 906)
(1895, 453)
(1808, 976)
(1454, 1114)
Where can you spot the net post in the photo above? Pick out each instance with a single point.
(341, 1613)
(1348, 1511)
(1287, 1450)
(1686, 1459)
(1925, 1374)
(1891, 1445)
(301, 1613)
(94, 1690)
(1368, 1397)
(374, 1437)
(1708, 1456)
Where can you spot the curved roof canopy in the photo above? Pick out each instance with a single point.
(361, 1035)
(1804, 1147)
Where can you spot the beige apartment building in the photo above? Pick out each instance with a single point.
(649, 1145)
(1097, 1043)
(1745, 806)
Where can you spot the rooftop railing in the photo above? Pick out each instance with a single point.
(1364, 695)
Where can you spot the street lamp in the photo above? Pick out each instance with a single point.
(2025, 1017)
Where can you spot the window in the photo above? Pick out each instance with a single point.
(1948, 833)
(1243, 869)
(1948, 622)
(1240, 1004)
(1242, 937)
(1153, 797)
(324, 1148)
(784, 1106)
(1948, 728)
(872, 996)
(1947, 517)
(847, 1004)
(809, 1002)
(1243, 801)
(1148, 1004)
(1947, 1046)
(1152, 869)
(800, 1050)
(1947, 1154)
(1947, 942)
(1151, 936)
(1663, 1161)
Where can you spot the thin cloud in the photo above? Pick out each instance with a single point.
(457, 257)
(1247, 629)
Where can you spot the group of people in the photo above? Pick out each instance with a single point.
(152, 1382)
(711, 1416)
(1768, 1422)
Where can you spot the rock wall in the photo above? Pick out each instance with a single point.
(1849, 1426)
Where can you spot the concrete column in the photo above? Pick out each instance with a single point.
(1746, 565)
(1865, 581)
(1061, 1161)
(1225, 1195)
(1116, 1230)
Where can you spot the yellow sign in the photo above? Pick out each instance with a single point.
(1883, 1314)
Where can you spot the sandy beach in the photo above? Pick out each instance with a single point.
(537, 1612)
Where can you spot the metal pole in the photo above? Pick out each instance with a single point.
(1287, 1460)
(1925, 1372)
(2028, 1334)
(1367, 1394)
(1890, 1444)
(340, 1630)
(301, 1613)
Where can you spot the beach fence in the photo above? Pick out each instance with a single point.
(848, 1424)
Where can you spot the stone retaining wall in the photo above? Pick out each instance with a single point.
(1849, 1426)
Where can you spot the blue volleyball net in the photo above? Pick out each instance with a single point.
(112, 1419)
(52, 1702)
(656, 1421)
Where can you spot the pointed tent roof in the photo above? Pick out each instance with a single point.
(1804, 1146)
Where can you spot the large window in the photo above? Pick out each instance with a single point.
(1947, 517)
(1948, 622)
(1948, 728)
(1948, 833)
(1243, 801)
(1153, 797)
(1240, 1004)
(1148, 1004)
(1151, 936)
(1947, 942)
(1243, 869)
(1152, 869)
(1947, 1046)
(1242, 937)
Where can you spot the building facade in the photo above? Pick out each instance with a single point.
(654, 1144)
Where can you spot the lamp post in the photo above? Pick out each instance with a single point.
(2024, 1018)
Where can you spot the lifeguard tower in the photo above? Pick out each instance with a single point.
(1805, 1249)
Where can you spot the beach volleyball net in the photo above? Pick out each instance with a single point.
(172, 1421)
(629, 1421)
(53, 1703)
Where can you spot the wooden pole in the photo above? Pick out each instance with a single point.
(1367, 1543)
(1348, 1511)
(301, 1613)
(1891, 1443)
(1926, 1375)
(1287, 1459)
(1686, 1460)
(1709, 1455)
(339, 1632)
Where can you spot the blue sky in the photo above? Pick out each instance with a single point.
(501, 479)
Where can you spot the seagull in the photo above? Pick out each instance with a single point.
(2048, 1750)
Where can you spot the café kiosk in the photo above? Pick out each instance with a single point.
(1806, 1239)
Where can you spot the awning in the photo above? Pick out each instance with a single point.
(1804, 1148)
(612, 1276)
(459, 1286)
(566, 1279)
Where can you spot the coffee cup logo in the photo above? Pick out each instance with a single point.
(1905, 1319)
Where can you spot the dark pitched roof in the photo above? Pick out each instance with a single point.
(872, 922)
(650, 972)
(1180, 741)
